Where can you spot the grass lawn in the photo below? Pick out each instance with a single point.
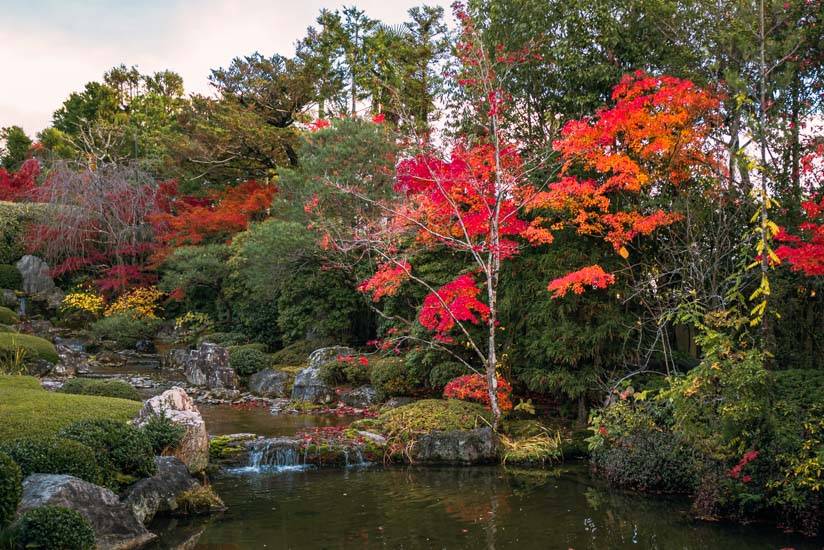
(26, 409)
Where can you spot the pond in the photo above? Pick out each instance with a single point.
(224, 419)
(489, 507)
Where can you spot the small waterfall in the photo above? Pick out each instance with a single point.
(279, 453)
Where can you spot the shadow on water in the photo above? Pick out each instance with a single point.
(489, 508)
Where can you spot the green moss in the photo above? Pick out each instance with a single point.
(11, 489)
(8, 317)
(222, 447)
(199, 500)
(427, 415)
(27, 410)
(35, 346)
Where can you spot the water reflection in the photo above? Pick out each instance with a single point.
(490, 508)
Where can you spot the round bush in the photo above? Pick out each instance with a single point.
(123, 452)
(125, 330)
(225, 339)
(297, 353)
(52, 455)
(54, 528)
(248, 361)
(36, 348)
(102, 388)
(10, 277)
(8, 317)
(390, 377)
(442, 373)
(11, 489)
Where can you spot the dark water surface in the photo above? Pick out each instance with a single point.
(223, 420)
(485, 508)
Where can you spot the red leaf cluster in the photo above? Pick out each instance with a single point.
(457, 300)
(577, 281)
(805, 252)
(19, 186)
(473, 387)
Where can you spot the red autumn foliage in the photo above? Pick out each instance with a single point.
(457, 300)
(20, 185)
(184, 220)
(805, 252)
(473, 387)
(577, 281)
(655, 136)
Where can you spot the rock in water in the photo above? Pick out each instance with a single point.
(308, 386)
(159, 493)
(115, 525)
(209, 366)
(269, 383)
(459, 447)
(180, 409)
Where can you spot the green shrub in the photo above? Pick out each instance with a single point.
(11, 489)
(390, 377)
(53, 455)
(247, 361)
(358, 374)
(352, 371)
(163, 434)
(8, 317)
(35, 347)
(7, 328)
(225, 339)
(124, 453)
(104, 388)
(125, 330)
(332, 372)
(442, 373)
(54, 528)
(296, 353)
(255, 345)
(10, 277)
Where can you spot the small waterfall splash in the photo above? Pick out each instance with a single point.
(275, 454)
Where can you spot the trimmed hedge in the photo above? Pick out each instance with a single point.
(10, 277)
(124, 453)
(390, 377)
(54, 528)
(297, 353)
(125, 330)
(27, 410)
(7, 316)
(36, 347)
(103, 388)
(11, 489)
(52, 455)
(247, 361)
(225, 339)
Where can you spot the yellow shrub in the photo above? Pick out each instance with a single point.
(84, 299)
(139, 303)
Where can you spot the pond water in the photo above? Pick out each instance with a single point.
(222, 420)
(494, 507)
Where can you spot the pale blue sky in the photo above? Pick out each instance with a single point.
(49, 48)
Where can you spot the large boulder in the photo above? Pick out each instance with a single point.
(35, 272)
(180, 409)
(362, 397)
(308, 385)
(72, 362)
(458, 447)
(209, 366)
(159, 493)
(115, 525)
(269, 383)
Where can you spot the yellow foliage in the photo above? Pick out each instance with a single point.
(84, 299)
(139, 303)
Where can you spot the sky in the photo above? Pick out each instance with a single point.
(50, 48)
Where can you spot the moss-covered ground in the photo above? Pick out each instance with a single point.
(28, 410)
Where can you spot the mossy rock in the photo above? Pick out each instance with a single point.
(427, 415)
(37, 348)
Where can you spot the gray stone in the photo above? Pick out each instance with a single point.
(9, 299)
(396, 402)
(158, 494)
(180, 409)
(269, 383)
(145, 346)
(71, 363)
(458, 447)
(176, 359)
(308, 386)
(36, 278)
(362, 397)
(209, 366)
(115, 525)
